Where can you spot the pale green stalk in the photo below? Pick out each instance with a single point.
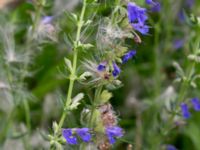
(74, 67)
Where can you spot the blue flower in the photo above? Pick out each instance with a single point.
(84, 134)
(185, 111)
(101, 66)
(136, 14)
(170, 147)
(196, 104)
(189, 3)
(142, 28)
(116, 70)
(68, 135)
(113, 132)
(149, 2)
(156, 7)
(178, 43)
(128, 56)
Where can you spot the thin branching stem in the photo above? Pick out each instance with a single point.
(74, 67)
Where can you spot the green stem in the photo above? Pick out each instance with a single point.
(73, 73)
(157, 78)
(27, 114)
(95, 102)
(6, 126)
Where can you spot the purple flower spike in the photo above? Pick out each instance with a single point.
(136, 13)
(84, 134)
(196, 104)
(128, 56)
(113, 132)
(170, 147)
(142, 28)
(68, 135)
(116, 70)
(185, 111)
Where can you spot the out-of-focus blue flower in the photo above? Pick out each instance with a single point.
(185, 111)
(142, 28)
(113, 132)
(101, 66)
(189, 3)
(181, 16)
(84, 134)
(155, 6)
(68, 135)
(128, 56)
(116, 70)
(178, 43)
(196, 104)
(136, 14)
(171, 147)
(149, 2)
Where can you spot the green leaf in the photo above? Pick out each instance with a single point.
(85, 75)
(55, 127)
(88, 22)
(85, 46)
(194, 58)
(76, 101)
(105, 96)
(68, 64)
(68, 39)
(179, 69)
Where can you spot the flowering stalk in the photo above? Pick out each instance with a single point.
(184, 89)
(73, 73)
(190, 70)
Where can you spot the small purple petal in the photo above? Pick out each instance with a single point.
(189, 3)
(68, 135)
(170, 147)
(196, 104)
(185, 111)
(142, 28)
(101, 66)
(84, 134)
(128, 56)
(177, 44)
(136, 13)
(149, 2)
(116, 70)
(113, 132)
(156, 7)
